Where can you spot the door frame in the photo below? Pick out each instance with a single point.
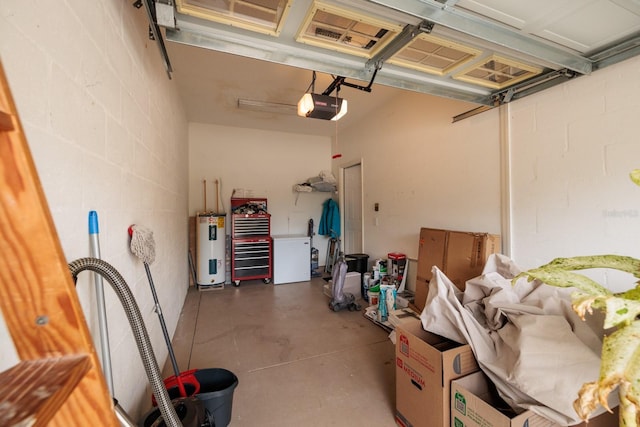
(341, 199)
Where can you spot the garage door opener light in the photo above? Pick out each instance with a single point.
(322, 106)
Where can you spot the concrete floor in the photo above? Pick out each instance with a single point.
(297, 362)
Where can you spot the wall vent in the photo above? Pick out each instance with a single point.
(350, 32)
(497, 72)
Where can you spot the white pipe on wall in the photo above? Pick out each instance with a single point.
(505, 177)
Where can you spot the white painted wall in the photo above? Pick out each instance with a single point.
(423, 171)
(107, 133)
(573, 147)
(267, 164)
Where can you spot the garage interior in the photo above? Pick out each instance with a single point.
(501, 117)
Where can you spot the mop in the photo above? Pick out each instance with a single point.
(143, 246)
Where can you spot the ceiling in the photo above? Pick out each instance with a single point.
(211, 83)
(482, 52)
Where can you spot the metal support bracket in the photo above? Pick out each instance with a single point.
(408, 33)
(154, 33)
(165, 15)
(340, 81)
(521, 90)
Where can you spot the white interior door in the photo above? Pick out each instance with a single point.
(352, 190)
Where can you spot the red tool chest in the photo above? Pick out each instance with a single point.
(251, 244)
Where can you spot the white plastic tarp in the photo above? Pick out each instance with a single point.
(526, 337)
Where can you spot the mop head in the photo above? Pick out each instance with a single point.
(142, 244)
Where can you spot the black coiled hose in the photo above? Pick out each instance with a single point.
(140, 334)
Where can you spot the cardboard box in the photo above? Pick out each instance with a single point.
(404, 299)
(460, 255)
(425, 365)
(422, 290)
(403, 315)
(327, 289)
(475, 403)
(397, 264)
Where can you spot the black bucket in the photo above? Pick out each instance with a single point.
(361, 265)
(360, 262)
(216, 393)
(215, 388)
(190, 410)
(352, 263)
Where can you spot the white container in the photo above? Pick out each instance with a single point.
(352, 284)
(291, 259)
(211, 249)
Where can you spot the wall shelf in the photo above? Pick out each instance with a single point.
(300, 188)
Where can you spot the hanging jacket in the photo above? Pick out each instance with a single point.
(330, 220)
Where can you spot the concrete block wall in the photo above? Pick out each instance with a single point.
(108, 133)
(573, 147)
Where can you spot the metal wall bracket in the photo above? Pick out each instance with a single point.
(521, 90)
(154, 33)
(165, 15)
(340, 81)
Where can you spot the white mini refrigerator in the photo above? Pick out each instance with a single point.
(291, 259)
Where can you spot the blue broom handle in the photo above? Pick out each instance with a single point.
(94, 231)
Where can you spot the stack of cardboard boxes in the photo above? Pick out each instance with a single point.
(439, 384)
(438, 381)
(425, 365)
(460, 255)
